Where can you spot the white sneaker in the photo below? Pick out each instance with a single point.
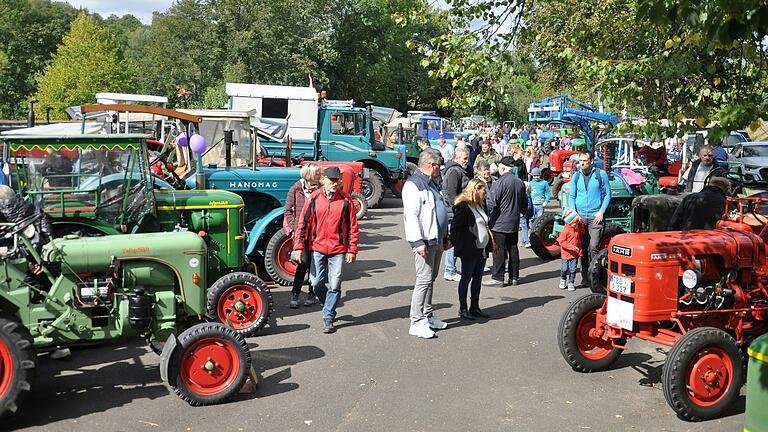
(571, 287)
(454, 277)
(527, 245)
(421, 330)
(562, 284)
(436, 323)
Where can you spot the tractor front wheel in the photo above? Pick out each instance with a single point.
(373, 188)
(703, 374)
(598, 272)
(277, 258)
(361, 205)
(580, 345)
(240, 300)
(18, 363)
(209, 365)
(543, 242)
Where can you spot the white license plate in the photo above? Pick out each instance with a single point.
(620, 313)
(620, 284)
(366, 173)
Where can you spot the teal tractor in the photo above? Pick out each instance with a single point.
(76, 291)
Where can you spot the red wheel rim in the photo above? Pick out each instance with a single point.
(589, 346)
(358, 205)
(709, 376)
(547, 239)
(240, 306)
(6, 368)
(283, 257)
(210, 366)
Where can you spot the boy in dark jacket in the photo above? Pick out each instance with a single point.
(570, 248)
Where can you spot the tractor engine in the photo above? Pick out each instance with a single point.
(655, 275)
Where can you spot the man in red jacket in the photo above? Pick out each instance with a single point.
(328, 225)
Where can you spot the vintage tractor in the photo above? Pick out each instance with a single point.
(93, 290)
(106, 189)
(703, 293)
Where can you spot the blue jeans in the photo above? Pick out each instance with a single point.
(538, 210)
(524, 222)
(325, 276)
(450, 262)
(568, 268)
(471, 276)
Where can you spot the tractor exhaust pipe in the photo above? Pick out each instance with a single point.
(31, 113)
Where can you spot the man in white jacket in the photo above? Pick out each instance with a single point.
(426, 230)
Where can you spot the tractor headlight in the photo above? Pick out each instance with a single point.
(691, 278)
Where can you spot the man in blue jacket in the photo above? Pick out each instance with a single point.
(590, 195)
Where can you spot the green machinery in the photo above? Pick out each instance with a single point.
(97, 185)
(90, 290)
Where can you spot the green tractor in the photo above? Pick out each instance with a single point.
(93, 290)
(101, 185)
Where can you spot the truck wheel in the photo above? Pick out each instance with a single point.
(18, 362)
(543, 244)
(241, 300)
(598, 267)
(583, 350)
(361, 205)
(703, 374)
(277, 259)
(209, 365)
(373, 189)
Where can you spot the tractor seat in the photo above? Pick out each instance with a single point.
(668, 181)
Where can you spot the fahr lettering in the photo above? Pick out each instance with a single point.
(621, 250)
(252, 185)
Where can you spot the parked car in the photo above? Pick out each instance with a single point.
(753, 157)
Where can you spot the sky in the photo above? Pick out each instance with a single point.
(141, 9)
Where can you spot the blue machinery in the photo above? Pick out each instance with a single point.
(562, 109)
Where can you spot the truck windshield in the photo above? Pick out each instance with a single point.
(345, 123)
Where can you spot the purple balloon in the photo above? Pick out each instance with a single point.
(182, 140)
(197, 143)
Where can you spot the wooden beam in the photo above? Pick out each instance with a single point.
(144, 109)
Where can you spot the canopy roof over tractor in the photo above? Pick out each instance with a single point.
(74, 142)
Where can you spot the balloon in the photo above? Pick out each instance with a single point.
(197, 143)
(182, 140)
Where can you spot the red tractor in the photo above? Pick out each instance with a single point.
(703, 293)
(560, 168)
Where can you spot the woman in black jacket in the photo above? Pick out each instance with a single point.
(472, 241)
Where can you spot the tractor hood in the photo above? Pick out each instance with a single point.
(737, 248)
(274, 181)
(196, 199)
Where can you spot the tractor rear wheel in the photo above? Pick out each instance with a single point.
(703, 374)
(277, 258)
(209, 365)
(580, 346)
(18, 363)
(543, 243)
(598, 267)
(557, 184)
(240, 300)
(361, 205)
(373, 188)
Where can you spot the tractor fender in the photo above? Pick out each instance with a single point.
(376, 165)
(260, 227)
(165, 356)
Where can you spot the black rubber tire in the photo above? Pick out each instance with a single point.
(219, 288)
(557, 184)
(373, 188)
(189, 338)
(545, 222)
(274, 271)
(16, 338)
(410, 168)
(673, 377)
(566, 335)
(357, 196)
(598, 270)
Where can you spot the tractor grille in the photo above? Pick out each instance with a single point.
(627, 269)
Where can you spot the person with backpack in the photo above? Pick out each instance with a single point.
(589, 196)
(455, 179)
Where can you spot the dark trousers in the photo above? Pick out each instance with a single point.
(301, 273)
(590, 243)
(471, 276)
(507, 248)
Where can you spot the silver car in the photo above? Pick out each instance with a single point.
(754, 158)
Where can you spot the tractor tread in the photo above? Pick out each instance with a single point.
(19, 341)
(673, 372)
(270, 260)
(566, 338)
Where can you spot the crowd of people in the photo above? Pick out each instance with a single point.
(465, 204)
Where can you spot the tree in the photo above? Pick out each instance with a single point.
(30, 31)
(87, 62)
(662, 59)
